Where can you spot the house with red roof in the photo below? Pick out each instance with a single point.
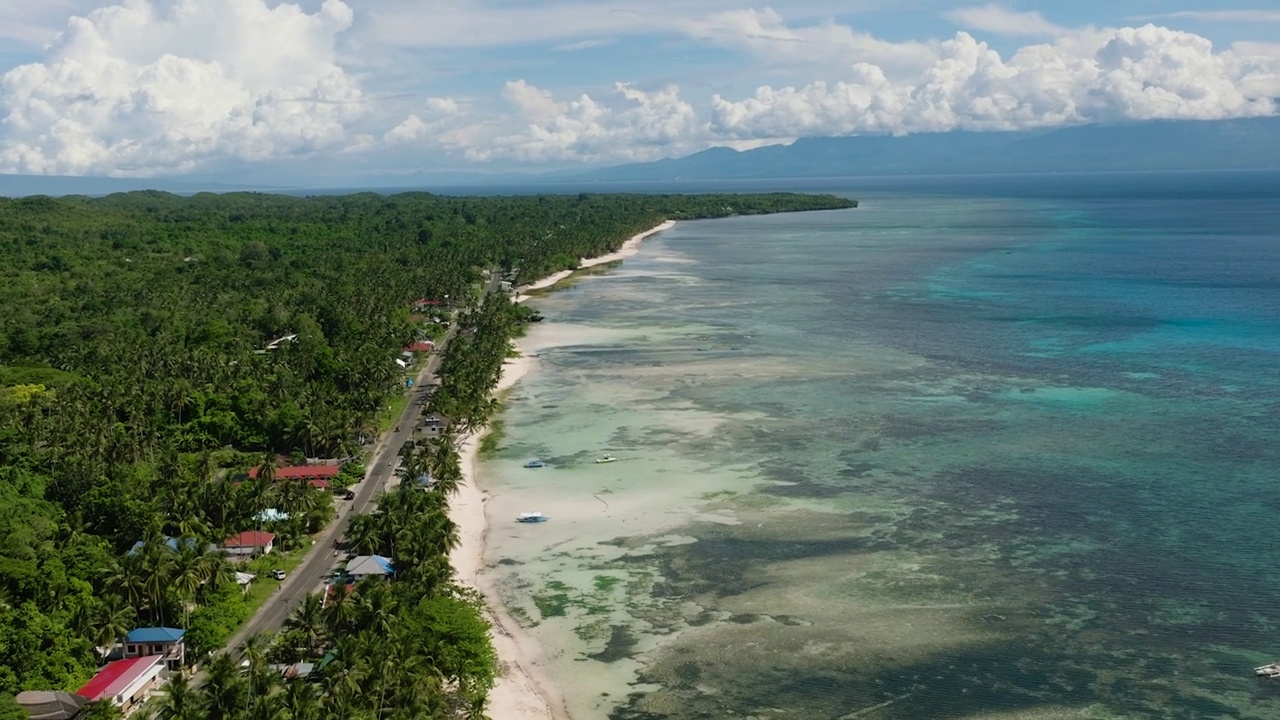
(329, 591)
(249, 543)
(317, 476)
(421, 346)
(125, 683)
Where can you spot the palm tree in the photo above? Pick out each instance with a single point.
(217, 570)
(156, 565)
(190, 571)
(225, 692)
(254, 649)
(340, 610)
(303, 701)
(113, 619)
(365, 534)
(444, 464)
(181, 701)
(308, 618)
(376, 606)
(125, 579)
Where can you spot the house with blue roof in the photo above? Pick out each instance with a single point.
(164, 641)
(363, 566)
(172, 544)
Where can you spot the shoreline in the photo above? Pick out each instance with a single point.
(629, 248)
(522, 691)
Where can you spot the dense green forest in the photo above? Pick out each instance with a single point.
(137, 386)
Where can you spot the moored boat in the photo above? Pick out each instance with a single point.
(606, 459)
(531, 517)
(535, 464)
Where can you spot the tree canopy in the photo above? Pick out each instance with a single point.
(156, 348)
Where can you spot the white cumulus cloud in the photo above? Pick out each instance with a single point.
(146, 88)
(766, 35)
(631, 125)
(1088, 75)
(1123, 74)
(1002, 21)
(444, 115)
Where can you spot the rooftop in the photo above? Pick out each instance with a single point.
(302, 471)
(250, 538)
(50, 704)
(156, 635)
(369, 565)
(117, 676)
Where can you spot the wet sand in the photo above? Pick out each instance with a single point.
(523, 690)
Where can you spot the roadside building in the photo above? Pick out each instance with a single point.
(50, 704)
(172, 544)
(317, 476)
(363, 566)
(249, 543)
(166, 642)
(125, 683)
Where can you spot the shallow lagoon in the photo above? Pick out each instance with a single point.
(937, 457)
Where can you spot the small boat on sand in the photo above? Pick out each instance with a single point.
(535, 464)
(606, 459)
(531, 517)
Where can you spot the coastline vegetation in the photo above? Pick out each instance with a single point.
(156, 349)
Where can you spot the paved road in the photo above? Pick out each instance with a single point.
(319, 561)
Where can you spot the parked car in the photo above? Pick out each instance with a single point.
(349, 495)
(277, 574)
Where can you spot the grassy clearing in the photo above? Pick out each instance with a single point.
(391, 413)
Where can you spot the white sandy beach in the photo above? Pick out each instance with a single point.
(523, 690)
(629, 248)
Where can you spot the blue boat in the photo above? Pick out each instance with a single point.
(534, 464)
(531, 517)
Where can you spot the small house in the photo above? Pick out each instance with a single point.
(294, 671)
(271, 515)
(363, 566)
(275, 344)
(317, 476)
(249, 544)
(50, 704)
(125, 683)
(166, 642)
(171, 544)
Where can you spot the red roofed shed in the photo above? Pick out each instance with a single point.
(249, 543)
(310, 472)
(124, 683)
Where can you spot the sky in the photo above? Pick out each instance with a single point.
(372, 88)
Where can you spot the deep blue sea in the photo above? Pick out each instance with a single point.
(980, 448)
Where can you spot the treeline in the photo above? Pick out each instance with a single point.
(414, 646)
(136, 384)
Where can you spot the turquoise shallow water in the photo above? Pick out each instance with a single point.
(945, 456)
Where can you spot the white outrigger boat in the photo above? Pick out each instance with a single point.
(606, 459)
(531, 517)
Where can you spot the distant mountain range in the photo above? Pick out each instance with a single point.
(1243, 144)
(1252, 143)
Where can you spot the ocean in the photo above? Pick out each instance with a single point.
(981, 448)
